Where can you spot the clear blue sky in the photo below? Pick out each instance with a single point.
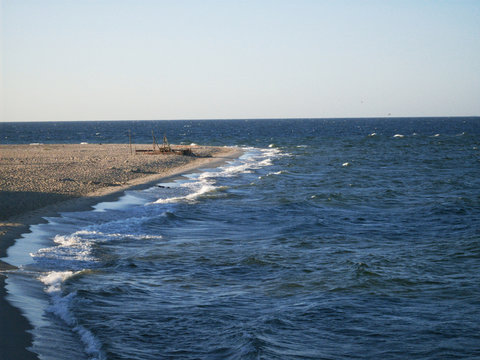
(203, 59)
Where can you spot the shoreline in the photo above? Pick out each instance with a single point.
(15, 337)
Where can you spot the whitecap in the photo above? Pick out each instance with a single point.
(246, 164)
(204, 188)
(205, 182)
(98, 235)
(398, 136)
(53, 280)
(60, 306)
(71, 252)
(266, 162)
(193, 191)
(277, 173)
(228, 171)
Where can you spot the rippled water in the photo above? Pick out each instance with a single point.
(325, 240)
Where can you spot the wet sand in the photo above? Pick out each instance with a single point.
(43, 180)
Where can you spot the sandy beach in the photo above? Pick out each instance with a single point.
(43, 180)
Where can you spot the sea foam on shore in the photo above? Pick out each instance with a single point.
(43, 180)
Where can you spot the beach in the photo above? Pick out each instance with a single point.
(43, 180)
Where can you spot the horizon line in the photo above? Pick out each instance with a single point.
(259, 118)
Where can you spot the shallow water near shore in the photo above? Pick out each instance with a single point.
(327, 239)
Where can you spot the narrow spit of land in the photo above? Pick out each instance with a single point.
(43, 180)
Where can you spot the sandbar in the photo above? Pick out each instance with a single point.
(42, 180)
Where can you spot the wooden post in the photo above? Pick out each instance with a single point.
(130, 140)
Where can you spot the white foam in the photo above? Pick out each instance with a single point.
(266, 162)
(101, 236)
(75, 251)
(204, 188)
(253, 160)
(398, 136)
(272, 152)
(273, 173)
(71, 252)
(205, 182)
(54, 280)
(227, 171)
(277, 173)
(116, 227)
(193, 191)
(60, 306)
(345, 164)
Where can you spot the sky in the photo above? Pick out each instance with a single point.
(231, 59)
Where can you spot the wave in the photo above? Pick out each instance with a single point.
(71, 256)
(76, 253)
(206, 182)
(197, 189)
(60, 306)
(70, 252)
(277, 173)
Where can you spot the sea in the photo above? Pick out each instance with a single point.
(325, 239)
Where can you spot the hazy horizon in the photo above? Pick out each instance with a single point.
(264, 118)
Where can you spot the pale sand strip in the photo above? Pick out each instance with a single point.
(44, 180)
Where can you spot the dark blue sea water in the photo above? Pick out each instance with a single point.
(326, 239)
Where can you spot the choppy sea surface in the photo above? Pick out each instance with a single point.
(326, 239)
